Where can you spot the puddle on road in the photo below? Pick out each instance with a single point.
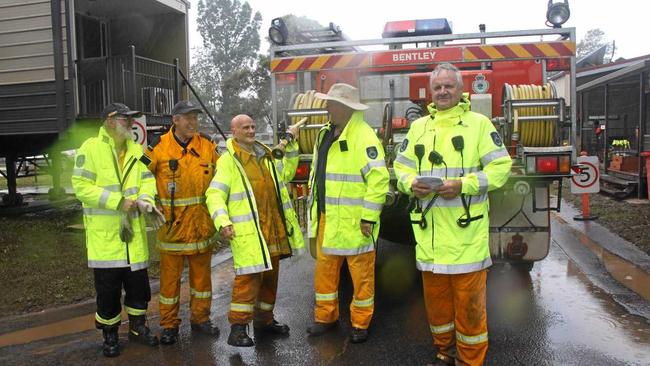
(583, 320)
(623, 271)
(87, 322)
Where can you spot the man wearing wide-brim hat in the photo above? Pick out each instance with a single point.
(349, 182)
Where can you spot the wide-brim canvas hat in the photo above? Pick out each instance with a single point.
(345, 94)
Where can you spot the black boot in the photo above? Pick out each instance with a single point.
(139, 332)
(111, 346)
(239, 336)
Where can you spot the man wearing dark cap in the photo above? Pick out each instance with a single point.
(116, 190)
(183, 162)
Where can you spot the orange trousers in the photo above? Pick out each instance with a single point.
(457, 315)
(326, 284)
(171, 268)
(253, 296)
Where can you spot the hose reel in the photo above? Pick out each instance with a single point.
(534, 123)
(307, 136)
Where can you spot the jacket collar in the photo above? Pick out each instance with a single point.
(355, 120)
(452, 115)
(131, 146)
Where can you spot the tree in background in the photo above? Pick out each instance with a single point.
(592, 41)
(225, 63)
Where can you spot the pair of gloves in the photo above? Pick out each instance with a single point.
(153, 217)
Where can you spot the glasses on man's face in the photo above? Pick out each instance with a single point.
(128, 120)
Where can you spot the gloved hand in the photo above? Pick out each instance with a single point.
(144, 206)
(126, 230)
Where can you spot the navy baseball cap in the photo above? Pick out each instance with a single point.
(118, 109)
(185, 106)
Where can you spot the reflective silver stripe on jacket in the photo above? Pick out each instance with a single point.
(292, 154)
(103, 198)
(344, 177)
(450, 172)
(84, 173)
(147, 175)
(252, 269)
(372, 206)
(337, 251)
(456, 201)
(344, 201)
(405, 161)
(145, 197)
(489, 157)
(101, 212)
(287, 205)
(220, 186)
(218, 212)
(108, 264)
(131, 191)
(112, 187)
(139, 266)
(373, 164)
(183, 201)
(242, 218)
(454, 268)
(237, 196)
(482, 182)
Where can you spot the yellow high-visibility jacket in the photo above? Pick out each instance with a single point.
(484, 165)
(231, 201)
(356, 184)
(101, 185)
(191, 230)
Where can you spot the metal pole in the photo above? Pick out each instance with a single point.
(133, 86)
(177, 84)
(642, 121)
(606, 127)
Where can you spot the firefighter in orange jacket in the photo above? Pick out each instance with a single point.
(184, 162)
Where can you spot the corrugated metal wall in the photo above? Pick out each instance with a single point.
(28, 92)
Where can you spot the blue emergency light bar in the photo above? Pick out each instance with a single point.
(413, 28)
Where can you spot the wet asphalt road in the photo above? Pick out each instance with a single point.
(564, 312)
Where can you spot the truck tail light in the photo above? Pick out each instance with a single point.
(558, 64)
(285, 79)
(548, 164)
(302, 172)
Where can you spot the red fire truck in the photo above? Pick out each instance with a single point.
(507, 77)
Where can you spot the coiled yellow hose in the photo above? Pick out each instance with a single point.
(535, 133)
(307, 137)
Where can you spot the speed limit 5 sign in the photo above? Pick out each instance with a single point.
(586, 178)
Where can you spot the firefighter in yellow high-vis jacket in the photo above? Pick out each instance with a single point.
(250, 205)
(349, 183)
(450, 218)
(116, 191)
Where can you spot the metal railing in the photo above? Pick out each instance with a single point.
(144, 84)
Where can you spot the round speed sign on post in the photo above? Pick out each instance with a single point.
(139, 130)
(588, 178)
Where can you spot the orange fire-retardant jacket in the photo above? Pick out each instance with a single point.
(189, 228)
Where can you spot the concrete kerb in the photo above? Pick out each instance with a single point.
(606, 239)
(52, 315)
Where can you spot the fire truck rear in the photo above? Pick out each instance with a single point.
(507, 77)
